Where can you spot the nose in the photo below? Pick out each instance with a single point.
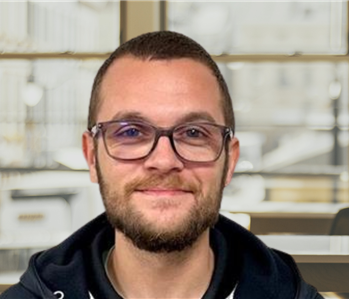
(163, 158)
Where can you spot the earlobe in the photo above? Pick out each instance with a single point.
(234, 153)
(90, 155)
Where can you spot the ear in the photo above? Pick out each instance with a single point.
(90, 155)
(234, 153)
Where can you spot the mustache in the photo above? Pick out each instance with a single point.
(169, 181)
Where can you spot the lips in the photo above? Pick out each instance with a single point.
(163, 191)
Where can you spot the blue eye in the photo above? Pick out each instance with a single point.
(132, 132)
(193, 133)
(128, 133)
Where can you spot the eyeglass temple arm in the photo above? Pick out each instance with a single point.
(230, 131)
(94, 130)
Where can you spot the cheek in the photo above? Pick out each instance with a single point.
(117, 174)
(210, 178)
(108, 169)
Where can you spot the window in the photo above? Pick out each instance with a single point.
(260, 27)
(50, 53)
(287, 73)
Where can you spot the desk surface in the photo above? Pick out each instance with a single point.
(31, 239)
(7, 279)
(311, 249)
(322, 260)
(267, 209)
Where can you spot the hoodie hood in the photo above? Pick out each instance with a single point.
(62, 271)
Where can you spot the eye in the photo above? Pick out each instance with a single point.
(192, 132)
(132, 132)
(189, 133)
(129, 132)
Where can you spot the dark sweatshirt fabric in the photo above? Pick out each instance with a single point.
(245, 268)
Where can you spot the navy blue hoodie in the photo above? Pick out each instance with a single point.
(244, 268)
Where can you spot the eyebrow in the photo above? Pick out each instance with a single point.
(130, 116)
(190, 117)
(197, 116)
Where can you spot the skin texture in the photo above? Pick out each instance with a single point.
(161, 194)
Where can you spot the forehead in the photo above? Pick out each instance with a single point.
(159, 89)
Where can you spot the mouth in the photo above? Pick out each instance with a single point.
(158, 191)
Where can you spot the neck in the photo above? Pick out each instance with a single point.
(185, 274)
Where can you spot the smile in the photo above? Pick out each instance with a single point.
(163, 192)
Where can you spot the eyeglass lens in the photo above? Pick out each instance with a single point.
(134, 140)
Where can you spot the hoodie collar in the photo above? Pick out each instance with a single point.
(63, 269)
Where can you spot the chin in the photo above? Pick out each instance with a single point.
(163, 232)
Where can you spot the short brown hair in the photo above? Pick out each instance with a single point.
(162, 45)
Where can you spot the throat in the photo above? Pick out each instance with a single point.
(175, 275)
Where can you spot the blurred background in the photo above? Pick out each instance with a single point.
(286, 65)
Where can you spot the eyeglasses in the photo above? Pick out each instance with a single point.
(133, 140)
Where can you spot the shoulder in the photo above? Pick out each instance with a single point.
(304, 290)
(264, 271)
(307, 291)
(17, 291)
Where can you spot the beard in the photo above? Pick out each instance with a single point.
(143, 233)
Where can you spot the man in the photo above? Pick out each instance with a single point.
(160, 144)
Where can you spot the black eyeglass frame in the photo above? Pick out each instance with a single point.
(101, 127)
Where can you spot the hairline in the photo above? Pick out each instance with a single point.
(98, 97)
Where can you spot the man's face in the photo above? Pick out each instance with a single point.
(161, 203)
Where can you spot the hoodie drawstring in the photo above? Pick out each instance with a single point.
(59, 294)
